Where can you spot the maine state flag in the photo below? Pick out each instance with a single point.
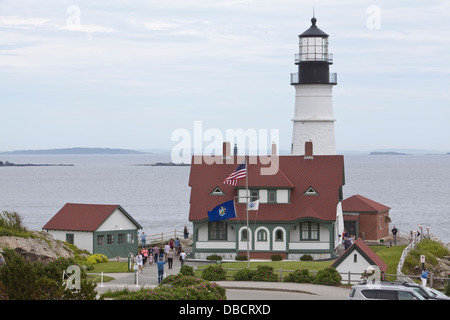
(223, 211)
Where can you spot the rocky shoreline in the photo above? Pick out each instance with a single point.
(40, 247)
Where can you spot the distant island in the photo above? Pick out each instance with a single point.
(10, 164)
(73, 151)
(165, 164)
(390, 153)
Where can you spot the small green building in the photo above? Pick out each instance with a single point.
(97, 228)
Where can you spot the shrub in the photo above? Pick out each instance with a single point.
(187, 270)
(11, 225)
(180, 287)
(244, 275)
(329, 276)
(276, 257)
(214, 273)
(300, 276)
(181, 280)
(23, 280)
(306, 257)
(97, 258)
(241, 258)
(214, 257)
(264, 273)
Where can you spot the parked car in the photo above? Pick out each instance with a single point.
(438, 294)
(383, 291)
(425, 292)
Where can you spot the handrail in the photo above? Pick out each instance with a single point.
(161, 237)
(412, 245)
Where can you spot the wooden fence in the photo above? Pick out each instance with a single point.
(161, 237)
(347, 276)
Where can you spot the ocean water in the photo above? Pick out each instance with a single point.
(416, 187)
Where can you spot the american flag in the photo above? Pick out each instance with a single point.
(237, 174)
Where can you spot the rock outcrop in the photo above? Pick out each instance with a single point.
(42, 247)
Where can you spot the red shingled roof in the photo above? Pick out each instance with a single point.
(82, 217)
(365, 250)
(358, 203)
(324, 173)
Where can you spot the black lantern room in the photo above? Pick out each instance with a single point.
(313, 59)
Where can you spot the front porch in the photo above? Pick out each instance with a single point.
(262, 240)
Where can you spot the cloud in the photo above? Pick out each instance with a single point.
(87, 28)
(21, 22)
(17, 22)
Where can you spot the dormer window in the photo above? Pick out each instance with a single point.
(310, 192)
(217, 192)
(272, 196)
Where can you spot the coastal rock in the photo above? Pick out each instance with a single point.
(43, 248)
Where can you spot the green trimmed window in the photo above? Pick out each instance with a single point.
(309, 231)
(217, 230)
(261, 235)
(272, 196)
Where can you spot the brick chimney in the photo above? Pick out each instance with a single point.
(226, 151)
(309, 150)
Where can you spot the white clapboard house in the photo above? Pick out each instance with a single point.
(97, 228)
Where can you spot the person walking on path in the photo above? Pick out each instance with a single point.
(170, 258)
(155, 253)
(166, 251)
(182, 257)
(177, 245)
(138, 262)
(160, 265)
(186, 232)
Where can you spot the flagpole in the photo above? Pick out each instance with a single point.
(246, 209)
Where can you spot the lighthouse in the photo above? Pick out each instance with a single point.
(313, 117)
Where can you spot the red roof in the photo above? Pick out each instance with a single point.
(83, 217)
(365, 250)
(324, 173)
(358, 203)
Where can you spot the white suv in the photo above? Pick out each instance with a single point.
(379, 291)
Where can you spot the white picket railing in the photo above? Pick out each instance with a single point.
(412, 245)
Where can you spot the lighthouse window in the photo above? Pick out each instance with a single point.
(313, 48)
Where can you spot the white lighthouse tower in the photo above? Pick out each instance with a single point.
(313, 118)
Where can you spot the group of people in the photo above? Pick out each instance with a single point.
(347, 240)
(160, 256)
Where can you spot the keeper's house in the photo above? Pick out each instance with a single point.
(97, 228)
(299, 207)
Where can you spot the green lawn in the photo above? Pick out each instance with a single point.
(277, 265)
(110, 267)
(389, 255)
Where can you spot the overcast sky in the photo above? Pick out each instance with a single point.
(127, 74)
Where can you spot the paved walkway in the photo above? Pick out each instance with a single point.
(148, 279)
